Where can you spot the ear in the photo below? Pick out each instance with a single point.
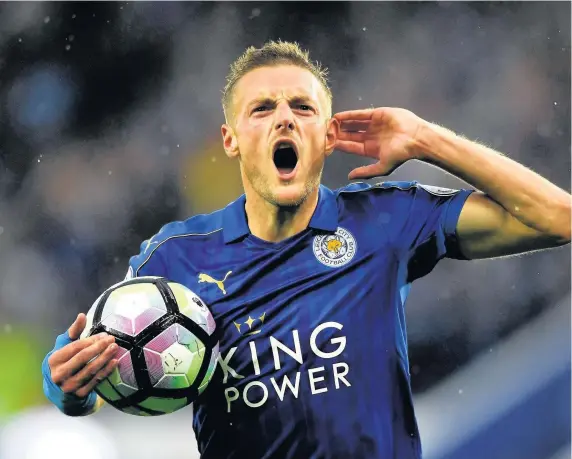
(229, 141)
(332, 135)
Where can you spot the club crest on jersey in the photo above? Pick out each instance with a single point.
(335, 250)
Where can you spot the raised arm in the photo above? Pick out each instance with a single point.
(515, 209)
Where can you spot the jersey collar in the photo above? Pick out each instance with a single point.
(326, 214)
(235, 225)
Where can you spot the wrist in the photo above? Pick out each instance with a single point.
(75, 406)
(68, 404)
(429, 141)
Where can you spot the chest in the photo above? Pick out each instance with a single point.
(288, 291)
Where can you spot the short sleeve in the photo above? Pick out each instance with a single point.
(423, 223)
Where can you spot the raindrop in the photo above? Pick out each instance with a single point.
(71, 38)
(177, 145)
(19, 40)
(214, 159)
(359, 98)
(8, 328)
(109, 172)
(254, 13)
(555, 103)
(38, 159)
(1, 229)
(68, 47)
(46, 19)
(115, 259)
(73, 16)
(364, 29)
(460, 391)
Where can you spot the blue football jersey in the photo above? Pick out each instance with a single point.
(313, 343)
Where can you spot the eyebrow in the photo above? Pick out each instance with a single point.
(267, 100)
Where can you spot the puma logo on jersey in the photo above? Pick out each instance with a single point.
(211, 280)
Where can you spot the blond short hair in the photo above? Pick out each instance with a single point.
(272, 53)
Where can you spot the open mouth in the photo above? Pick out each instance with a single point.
(285, 158)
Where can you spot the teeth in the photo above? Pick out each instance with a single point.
(283, 145)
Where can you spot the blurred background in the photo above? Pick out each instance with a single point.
(110, 127)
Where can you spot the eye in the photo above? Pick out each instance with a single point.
(305, 108)
(261, 108)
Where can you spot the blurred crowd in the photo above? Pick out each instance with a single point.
(110, 127)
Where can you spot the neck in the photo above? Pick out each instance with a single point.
(274, 223)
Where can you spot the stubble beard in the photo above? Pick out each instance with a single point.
(259, 182)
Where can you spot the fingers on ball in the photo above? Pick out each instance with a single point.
(84, 353)
(96, 364)
(67, 352)
(98, 378)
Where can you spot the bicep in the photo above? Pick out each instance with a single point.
(486, 230)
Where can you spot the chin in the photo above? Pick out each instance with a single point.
(290, 195)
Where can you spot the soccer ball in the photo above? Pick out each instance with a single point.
(167, 345)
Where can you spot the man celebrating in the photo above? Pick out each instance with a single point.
(307, 284)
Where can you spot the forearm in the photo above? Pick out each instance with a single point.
(533, 200)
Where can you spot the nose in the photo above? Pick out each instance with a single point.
(284, 118)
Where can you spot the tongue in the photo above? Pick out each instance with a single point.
(284, 170)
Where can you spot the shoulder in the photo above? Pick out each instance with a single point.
(386, 188)
(392, 190)
(196, 228)
(377, 194)
(377, 203)
(394, 201)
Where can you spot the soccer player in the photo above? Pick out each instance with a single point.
(308, 284)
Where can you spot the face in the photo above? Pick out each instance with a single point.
(281, 132)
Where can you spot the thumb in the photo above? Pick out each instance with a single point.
(77, 327)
